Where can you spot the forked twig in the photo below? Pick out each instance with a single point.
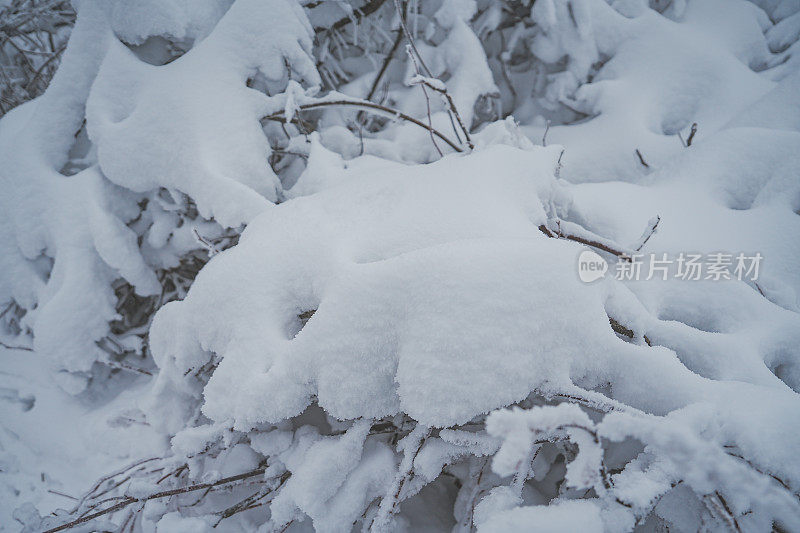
(452, 110)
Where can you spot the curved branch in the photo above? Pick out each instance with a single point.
(279, 116)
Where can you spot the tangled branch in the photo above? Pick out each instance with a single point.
(129, 500)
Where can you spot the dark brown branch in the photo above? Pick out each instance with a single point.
(544, 136)
(691, 134)
(385, 65)
(279, 116)
(641, 159)
(250, 502)
(594, 244)
(452, 108)
(163, 494)
(10, 347)
(626, 332)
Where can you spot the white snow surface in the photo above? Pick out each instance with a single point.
(383, 258)
(378, 288)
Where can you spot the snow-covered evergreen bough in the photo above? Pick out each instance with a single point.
(379, 206)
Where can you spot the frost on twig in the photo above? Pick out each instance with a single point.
(427, 100)
(652, 227)
(126, 501)
(410, 445)
(573, 232)
(429, 80)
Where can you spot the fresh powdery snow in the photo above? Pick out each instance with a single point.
(443, 266)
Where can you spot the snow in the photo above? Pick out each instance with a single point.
(44, 213)
(395, 342)
(332, 478)
(45, 433)
(389, 263)
(179, 19)
(194, 122)
(175, 523)
(644, 103)
(570, 515)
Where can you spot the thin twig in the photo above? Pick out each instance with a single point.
(51, 491)
(641, 159)
(385, 65)
(427, 103)
(10, 347)
(554, 230)
(370, 106)
(163, 494)
(652, 226)
(692, 133)
(409, 38)
(450, 104)
(452, 108)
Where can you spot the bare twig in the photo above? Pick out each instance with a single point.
(51, 491)
(124, 366)
(758, 287)
(10, 347)
(451, 107)
(163, 494)
(692, 133)
(91, 494)
(372, 106)
(716, 504)
(251, 501)
(554, 229)
(559, 166)
(427, 103)
(409, 38)
(208, 245)
(385, 65)
(641, 159)
(450, 104)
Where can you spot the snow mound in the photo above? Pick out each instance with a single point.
(194, 122)
(84, 167)
(409, 274)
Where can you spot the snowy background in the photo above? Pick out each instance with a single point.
(312, 265)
